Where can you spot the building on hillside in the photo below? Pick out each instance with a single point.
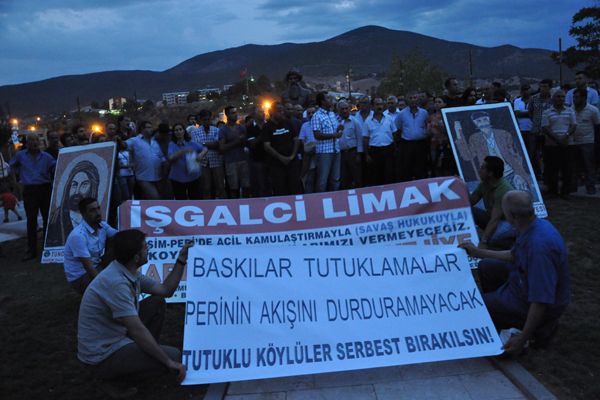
(203, 93)
(174, 98)
(116, 103)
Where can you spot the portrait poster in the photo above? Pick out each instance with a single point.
(491, 130)
(81, 171)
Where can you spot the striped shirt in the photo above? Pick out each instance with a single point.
(558, 121)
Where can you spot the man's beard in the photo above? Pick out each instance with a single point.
(294, 91)
(74, 202)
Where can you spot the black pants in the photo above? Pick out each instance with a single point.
(36, 199)
(187, 190)
(130, 360)
(413, 159)
(381, 169)
(351, 169)
(557, 160)
(285, 179)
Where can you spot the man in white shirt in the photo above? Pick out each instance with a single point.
(581, 82)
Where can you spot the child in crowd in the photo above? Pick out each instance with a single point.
(9, 202)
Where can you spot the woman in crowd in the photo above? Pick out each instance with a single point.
(469, 96)
(185, 156)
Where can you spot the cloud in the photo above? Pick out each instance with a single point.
(45, 38)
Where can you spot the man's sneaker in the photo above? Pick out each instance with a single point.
(590, 190)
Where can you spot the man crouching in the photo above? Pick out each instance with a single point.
(117, 333)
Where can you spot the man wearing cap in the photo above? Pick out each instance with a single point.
(489, 141)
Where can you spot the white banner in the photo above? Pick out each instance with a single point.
(264, 312)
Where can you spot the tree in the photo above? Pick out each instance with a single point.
(148, 106)
(192, 97)
(130, 106)
(585, 29)
(411, 73)
(263, 83)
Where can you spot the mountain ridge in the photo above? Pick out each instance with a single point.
(367, 49)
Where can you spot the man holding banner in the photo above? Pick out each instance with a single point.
(117, 334)
(85, 245)
(526, 287)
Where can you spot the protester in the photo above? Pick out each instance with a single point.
(147, 160)
(125, 127)
(125, 176)
(290, 114)
(260, 181)
(67, 139)
(118, 334)
(392, 107)
(232, 143)
(281, 145)
(413, 144)
(364, 112)
(588, 122)
(497, 232)
(452, 98)
(521, 108)
(351, 147)
(309, 161)
(442, 158)
(85, 245)
(327, 131)
(9, 202)
(82, 137)
(191, 123)
(538, 104)
(526, 287)
(53, 148)
(36, 170)
(213, 173)
(581, 83)
(469, 97)
(163, 137)
(558, 124)
(378, 142)
(185, 157)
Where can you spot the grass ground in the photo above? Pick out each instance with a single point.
(38, 314)
(38, 319)
(570, 367)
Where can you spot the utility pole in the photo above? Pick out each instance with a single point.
(78, 110)
(348, 82)
(470, 68)
(560, 60)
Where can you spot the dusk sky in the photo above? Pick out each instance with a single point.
(47, 38)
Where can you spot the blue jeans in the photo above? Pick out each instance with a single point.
(328, 172)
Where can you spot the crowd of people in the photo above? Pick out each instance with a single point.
(298, 146)
(329, 144)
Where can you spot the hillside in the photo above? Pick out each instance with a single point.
(368, 50)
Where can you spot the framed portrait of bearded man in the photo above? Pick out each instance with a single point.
(476, 132)
(81, 171)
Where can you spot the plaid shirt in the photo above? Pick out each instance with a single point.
(539, 106)
(326, 123)
(213, 159)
